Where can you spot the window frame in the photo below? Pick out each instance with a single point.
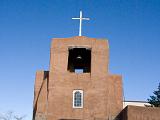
(73, 101)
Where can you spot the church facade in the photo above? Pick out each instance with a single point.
(78, 85)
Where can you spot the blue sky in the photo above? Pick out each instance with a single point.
(27, 26)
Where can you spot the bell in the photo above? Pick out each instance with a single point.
(78, 57)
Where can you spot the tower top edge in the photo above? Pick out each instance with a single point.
(80, 38)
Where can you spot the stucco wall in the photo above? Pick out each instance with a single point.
(140, 113)
(102, 90)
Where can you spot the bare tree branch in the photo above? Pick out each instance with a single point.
(11, 116)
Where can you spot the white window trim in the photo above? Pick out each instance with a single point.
(81, 91)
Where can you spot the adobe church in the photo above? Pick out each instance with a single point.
(78, 85)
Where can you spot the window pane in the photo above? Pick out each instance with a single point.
(77, 99)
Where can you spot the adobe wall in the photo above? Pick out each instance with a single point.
(140, 113)
(40, 95)
(102, 91)
(99, 54)
(102, 96)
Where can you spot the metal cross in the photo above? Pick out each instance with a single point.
(80, 22)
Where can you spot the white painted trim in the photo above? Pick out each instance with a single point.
(81, 91)
(136, 103)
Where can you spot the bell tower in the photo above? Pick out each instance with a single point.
(78, 85)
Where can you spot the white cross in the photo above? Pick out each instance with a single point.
(80, 22)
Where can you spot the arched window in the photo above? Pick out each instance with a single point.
(77, 99)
